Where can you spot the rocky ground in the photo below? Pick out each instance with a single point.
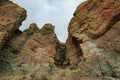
(91, 51)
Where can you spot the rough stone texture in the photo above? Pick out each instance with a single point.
(95, 17)
(111, 40)
(73, 50)
(95, 28)
(41, 45)
(34, 27)
(91, 51)
(29, 51)
(60, 57)
(24, 52)
(11, 16)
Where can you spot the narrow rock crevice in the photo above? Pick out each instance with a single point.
(60, 57)
(76, 53)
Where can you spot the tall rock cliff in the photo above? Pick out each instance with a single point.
(94, 37)
(91, 51)
(11, 17)
(27, 51)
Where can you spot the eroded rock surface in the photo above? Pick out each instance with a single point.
(11, 17)
(91, 51)
(27, 51)
(95, 28)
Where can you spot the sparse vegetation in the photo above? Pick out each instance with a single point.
(81, 72)
(44, 78)
(32, 75)
(72, 67)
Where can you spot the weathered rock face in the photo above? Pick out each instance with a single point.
(11, 17)
(92, 49)
(34, 45)
(94, 34)
(25, 51)
(95, 17)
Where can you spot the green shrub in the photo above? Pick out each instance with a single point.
(44, 78)
(72, 67)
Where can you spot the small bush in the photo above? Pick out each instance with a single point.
(44, 78)
(72, 67)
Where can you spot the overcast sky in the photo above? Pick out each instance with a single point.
(57, 12)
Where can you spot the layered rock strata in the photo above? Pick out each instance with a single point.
(91, 51)
(94, 37)
(11, 17)
(24, 51)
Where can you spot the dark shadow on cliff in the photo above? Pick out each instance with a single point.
(8, 54)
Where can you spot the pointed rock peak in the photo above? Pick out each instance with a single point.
(34, 27)
(47, 28)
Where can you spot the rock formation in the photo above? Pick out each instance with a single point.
(91, 51)
(94, 37)
(11, 18)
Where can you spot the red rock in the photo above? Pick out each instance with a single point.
(11, 17)
(95, 17)
(34, 27)
(40, 47)
(111, 39)
(95, 28)
(92, 48)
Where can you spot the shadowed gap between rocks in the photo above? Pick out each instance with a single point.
(61, 59)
